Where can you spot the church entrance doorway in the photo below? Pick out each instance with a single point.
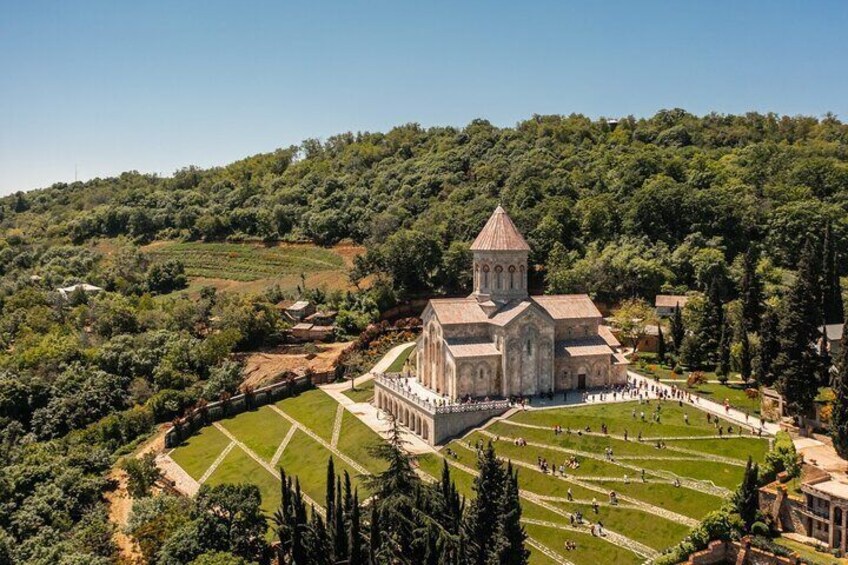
(581, 381)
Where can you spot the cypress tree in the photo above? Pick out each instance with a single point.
(483, 516)
(660, 344)
(357, 557)
(374, 537)
(769, 347)
(339, 535)
(746, 498)
(678, 332)
(797, 365)
(745, 356)
(509, 547)
(330, 501)
(751, 291)
(839, 415)
(723, 368)
(832, 305)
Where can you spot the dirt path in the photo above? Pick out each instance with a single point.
(119, 502)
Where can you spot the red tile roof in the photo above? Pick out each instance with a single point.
(567, 306)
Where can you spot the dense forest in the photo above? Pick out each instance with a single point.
(615, 208)
(620, 209)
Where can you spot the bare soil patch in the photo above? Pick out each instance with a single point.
(263, 367)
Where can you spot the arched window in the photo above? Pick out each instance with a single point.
(481, 373)
(511, 277)
(485, 276)
(476, 276)
(522, 279)
(498, 271)
(529, 347)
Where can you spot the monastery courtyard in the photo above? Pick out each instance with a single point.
(666, 464)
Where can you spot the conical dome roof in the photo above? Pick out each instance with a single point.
(499, 234)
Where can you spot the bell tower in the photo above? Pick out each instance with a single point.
(500, 261)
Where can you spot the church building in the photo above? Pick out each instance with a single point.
(476, 353)
(500, 342)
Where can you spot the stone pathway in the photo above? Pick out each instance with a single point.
(183, 482)
(337, 425)
(265, 465)
(353, 464)
(216, 463)
(545, 550)
(736, 416)
(283, 445)
(369, 414)
(702, 486)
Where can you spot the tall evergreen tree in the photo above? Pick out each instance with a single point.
(797, 365)
(357, 555)
(374, 534)
(330, 500)
(769, 347)
(832, 305)
(660, 344)
(746, 498)
(508, 548)
(701, 347)
(678, 331)
(751, 291)
(839, 415)
(723, 367)
(484, 512)
(745, 356)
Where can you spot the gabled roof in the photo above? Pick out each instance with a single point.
(833, 331)
(458, 311)
(671, 300)
(582, 347)
(499, 234)
(567, 306)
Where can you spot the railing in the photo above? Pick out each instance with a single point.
(442, 407)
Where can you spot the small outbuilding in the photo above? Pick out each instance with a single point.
(666, 303)
(300, 310)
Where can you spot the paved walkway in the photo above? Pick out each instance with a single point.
(369, 414)
(183, 482)
(734, 415)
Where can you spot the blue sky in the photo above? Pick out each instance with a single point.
(109, 86)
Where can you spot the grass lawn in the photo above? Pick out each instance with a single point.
(356, 439)
(619, 417)
(307, 459)
(721, 474)
(198, 452)
(261, 430)
(238, 467)
(362, 393)
(575, 441)
(531, 453)
(400, 360)
(590, 549)
(735, 447)
(688, 502)
(810, 554)
(638, 525)
(315, 409)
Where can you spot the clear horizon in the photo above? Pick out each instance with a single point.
(103, 88)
